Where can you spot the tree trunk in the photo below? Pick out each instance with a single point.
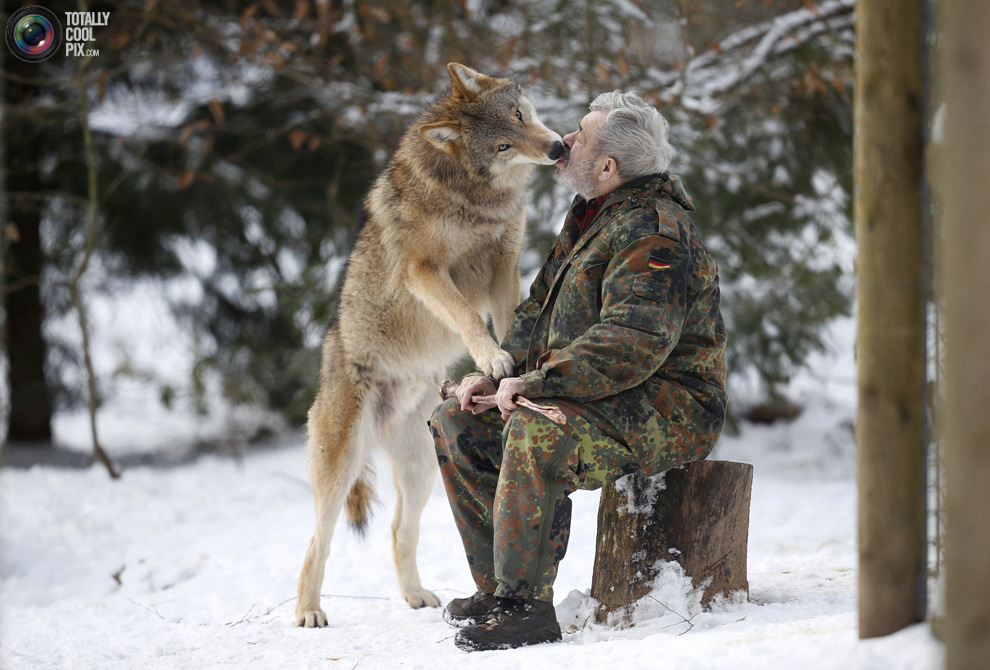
(890, 339)
(697, 515)
(965, 264)
(30, 401)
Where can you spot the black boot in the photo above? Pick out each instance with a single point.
(513, 623)
(464, 611)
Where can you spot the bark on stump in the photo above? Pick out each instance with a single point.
(697, 515)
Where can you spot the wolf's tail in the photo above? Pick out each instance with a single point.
(359, 501)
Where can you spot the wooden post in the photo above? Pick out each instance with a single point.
(890, 341)
(964, 189)
(697, 515)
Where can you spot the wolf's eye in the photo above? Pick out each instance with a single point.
(519, 115)
(503, 147)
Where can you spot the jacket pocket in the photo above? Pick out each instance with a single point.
(591, 258)
(651, 289)
(646, 307)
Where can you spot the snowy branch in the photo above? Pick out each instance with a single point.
(728, 65)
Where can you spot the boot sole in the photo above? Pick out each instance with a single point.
(541, 636)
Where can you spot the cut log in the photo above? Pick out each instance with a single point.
(696, 515)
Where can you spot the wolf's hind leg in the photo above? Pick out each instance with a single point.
(414, 464)
(337, 458)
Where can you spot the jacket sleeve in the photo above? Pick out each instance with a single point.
(644, 303)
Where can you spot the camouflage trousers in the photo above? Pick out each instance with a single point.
(508, 484)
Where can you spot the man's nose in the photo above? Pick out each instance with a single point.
(569, 139)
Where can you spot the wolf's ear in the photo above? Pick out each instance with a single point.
(440, 133)
(466, 82)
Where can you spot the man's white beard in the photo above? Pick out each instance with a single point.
(579, 176)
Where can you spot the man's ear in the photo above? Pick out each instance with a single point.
(609, 168)
(440, 133)
(466, 82)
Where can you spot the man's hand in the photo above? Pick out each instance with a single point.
(505, 397)
(472, 386)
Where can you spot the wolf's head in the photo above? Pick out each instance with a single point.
(489, 126)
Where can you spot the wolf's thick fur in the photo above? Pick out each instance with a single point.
(440, 249)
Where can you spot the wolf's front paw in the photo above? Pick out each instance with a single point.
(497, 364)
(311, 619)
(421, 598)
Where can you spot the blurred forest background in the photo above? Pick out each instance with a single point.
(212, 159)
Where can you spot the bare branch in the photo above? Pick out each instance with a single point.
(77, 301)
(687, 620)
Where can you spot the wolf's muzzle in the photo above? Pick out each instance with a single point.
(556, 151)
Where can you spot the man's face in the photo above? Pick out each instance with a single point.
(579, 168)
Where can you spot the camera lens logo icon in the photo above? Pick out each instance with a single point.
(33, 34)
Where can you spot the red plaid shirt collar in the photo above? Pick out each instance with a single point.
(584, 213)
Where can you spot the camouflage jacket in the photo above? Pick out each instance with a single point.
(626, 319)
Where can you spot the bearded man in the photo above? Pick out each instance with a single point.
(622, 332)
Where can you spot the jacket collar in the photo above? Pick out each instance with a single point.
(661, 182)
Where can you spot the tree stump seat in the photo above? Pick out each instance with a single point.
(696, 515)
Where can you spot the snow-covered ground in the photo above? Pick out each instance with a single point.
(196, 566)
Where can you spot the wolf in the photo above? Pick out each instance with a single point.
(439, 251)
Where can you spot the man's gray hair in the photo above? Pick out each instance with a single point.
(634, 133)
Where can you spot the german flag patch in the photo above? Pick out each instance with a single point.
(658, 265)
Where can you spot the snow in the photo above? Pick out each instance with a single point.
(624, 486)
(196, 565)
